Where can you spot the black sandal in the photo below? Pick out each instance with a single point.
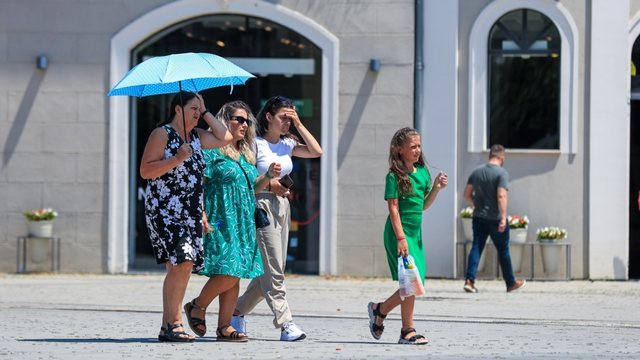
(161, 336)
(235, 336)
(169, 334)
(373, 313)
(195, 322)
(414, 340)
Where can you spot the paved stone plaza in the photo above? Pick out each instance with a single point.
(107, 317)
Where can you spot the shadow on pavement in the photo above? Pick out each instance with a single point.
(94, 340)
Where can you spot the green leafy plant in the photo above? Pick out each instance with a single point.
(518, 222)
(40, 214)
(466, 213)
(551, 233)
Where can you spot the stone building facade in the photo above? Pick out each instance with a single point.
(66, 145)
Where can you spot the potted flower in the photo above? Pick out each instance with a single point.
(40, 222)
(551, 254)
(518, 222)
(550, 234)
(518, 226)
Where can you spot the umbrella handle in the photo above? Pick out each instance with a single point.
(184, 125)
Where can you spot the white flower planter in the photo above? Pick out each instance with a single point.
(550, 257)
(517, 238)
(40, 228)
(467, 229)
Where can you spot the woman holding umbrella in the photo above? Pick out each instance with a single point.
(173, 163)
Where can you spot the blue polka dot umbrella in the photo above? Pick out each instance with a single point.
(180, 72)
(175, 73)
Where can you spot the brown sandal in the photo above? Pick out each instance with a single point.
(195, 322)
(234, 336)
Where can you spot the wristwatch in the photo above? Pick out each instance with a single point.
(205, 112)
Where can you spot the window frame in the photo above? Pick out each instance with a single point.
(479, 69)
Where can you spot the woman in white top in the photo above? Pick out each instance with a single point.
(275, 144)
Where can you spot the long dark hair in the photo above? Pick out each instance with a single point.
(272, 106)
(396, 164)
(186, 97)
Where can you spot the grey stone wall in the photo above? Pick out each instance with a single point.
(53, 123)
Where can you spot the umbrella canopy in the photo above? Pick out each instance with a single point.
(179, 72)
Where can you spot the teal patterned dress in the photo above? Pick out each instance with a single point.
(229, 202)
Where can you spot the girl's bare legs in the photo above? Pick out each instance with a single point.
(406, 310)
(173, 290)
(391, 303)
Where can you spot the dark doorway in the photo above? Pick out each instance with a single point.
(285, 63)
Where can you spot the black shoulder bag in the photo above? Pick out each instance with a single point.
(260, 215)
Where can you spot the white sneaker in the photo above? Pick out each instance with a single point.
(238, 323)
(291, 332)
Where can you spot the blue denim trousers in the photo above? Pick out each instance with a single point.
(482, 228)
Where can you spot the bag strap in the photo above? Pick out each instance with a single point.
(245, 174)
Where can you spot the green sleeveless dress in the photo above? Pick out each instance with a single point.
(410, 208)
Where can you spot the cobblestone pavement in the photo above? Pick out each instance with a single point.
(48, 316)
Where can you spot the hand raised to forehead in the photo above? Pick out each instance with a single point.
(201, 100)
(292, 115)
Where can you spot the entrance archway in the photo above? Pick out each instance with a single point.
(121, 112)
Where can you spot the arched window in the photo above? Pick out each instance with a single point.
(524, 82)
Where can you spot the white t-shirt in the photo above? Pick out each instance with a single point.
(279, 152)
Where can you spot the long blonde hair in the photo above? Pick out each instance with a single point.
(396, 164)
(245, 145)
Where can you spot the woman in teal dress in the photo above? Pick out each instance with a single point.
(408, 192)
(230, 248)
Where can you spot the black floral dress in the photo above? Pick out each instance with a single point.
(173, 206)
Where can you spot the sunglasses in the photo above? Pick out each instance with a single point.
(241, 120)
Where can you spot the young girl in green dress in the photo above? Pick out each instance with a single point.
(408, 192)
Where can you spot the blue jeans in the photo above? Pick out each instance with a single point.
(482, 228)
